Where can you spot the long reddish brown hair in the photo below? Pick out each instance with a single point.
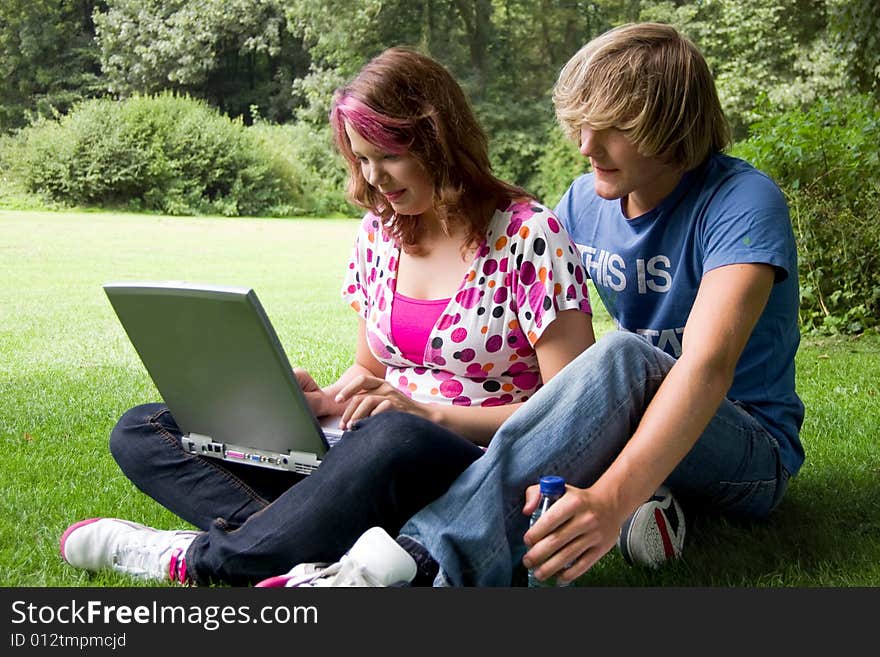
(405, 102)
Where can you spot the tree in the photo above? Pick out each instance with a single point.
(48, 59)
(854, 26)
(234, 53)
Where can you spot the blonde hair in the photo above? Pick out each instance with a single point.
(651, 83)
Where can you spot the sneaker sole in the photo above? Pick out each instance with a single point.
(624, 545)
(279, 581)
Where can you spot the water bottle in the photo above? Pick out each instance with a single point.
(552, 488)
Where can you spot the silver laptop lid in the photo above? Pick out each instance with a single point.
(218, 364)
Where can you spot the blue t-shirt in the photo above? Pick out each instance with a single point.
(647, 271)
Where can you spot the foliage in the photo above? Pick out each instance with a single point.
(855, 37)
(839, 264)
(340, 36)
(794, 51)
(163, 153)
(13, 194)
(48, 59)
(286, 56)
(506, 54)
(827, 160)
(516, 143)
(559, 164)
(234, 53)
(308, 159)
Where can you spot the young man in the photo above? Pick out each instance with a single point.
(693, 255)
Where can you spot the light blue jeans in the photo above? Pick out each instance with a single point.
(574, 427)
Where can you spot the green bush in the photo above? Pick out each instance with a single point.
(827, 161)
(165, 153)
(308, 158)
(839, 252)
(13, 195)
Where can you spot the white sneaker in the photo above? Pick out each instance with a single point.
(128, 547)
(303, 571)
(654, 533)
(374, 560)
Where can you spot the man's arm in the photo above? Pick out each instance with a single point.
(583, 525)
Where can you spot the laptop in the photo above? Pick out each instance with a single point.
(221, 370)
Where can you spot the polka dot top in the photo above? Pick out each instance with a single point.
(481, 349)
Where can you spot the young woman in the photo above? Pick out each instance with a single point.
(470, 296)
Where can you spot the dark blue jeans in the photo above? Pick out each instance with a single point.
(257, 522)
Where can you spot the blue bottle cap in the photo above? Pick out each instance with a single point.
(552, 485)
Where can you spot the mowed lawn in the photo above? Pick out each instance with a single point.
(67, 372)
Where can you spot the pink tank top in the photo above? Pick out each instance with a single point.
(411, 323)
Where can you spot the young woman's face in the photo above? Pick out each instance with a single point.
(401, 179)
(621, 172)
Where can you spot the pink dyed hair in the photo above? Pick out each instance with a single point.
(382, 131)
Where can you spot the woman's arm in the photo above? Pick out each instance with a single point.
(323, 400)
(583, 525)
(560, 343)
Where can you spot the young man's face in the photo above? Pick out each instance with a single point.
(621, 172)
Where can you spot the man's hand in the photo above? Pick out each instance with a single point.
(578, 530)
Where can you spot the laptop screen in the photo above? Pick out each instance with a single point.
(218, 364)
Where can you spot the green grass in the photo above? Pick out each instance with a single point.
(67, 372)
